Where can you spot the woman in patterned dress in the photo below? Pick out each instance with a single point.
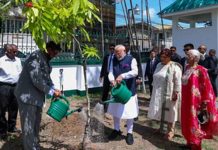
(197, 98)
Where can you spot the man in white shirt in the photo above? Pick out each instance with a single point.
(10, 69)
(123, 67)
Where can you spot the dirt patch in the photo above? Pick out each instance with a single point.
(64, 135)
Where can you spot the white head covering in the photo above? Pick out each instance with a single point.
(195, 53)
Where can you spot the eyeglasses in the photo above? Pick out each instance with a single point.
(111, 47)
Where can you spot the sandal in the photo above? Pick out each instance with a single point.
(169, 136)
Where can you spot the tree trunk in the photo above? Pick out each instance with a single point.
(87, 126)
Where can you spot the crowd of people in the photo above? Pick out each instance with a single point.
(181, 89)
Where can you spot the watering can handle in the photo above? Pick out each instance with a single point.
(122, 82)
(62, 97)
(65, 99)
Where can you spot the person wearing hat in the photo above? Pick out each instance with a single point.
(32, 87)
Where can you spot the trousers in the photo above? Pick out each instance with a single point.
(30, 117)
(8, 103)
(129, 123)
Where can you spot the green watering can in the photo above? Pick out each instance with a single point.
(59, 108)
(120, 94)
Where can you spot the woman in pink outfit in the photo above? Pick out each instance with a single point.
(198, 108)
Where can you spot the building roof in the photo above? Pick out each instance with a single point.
(184, 5)
(138, 26)
(165, 26)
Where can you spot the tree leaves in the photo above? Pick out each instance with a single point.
(90, 52)
(59, 19)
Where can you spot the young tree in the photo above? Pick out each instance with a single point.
(60, 20)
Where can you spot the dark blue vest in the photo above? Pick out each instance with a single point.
(123, 66)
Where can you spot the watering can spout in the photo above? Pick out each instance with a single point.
(112, 100)
(75, 110)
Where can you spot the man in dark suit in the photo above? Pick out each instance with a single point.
(202, 49)
(150, 68)
(32, 87)
(136, 56)
(187, 47)
(211, 64)
(104, 73)
(175, 57)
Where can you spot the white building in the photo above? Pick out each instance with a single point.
(194, 22)
(11, 32)
(160, 36)
(156, 39)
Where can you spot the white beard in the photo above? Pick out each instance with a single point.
(121, 57)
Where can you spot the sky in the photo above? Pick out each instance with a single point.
(153, 9)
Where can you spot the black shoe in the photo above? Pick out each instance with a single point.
(114, 134)
(13, 130)
(129, 139)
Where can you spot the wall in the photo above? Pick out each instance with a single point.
(73, 79)
(197, 36)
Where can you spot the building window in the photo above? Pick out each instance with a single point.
(195, 21)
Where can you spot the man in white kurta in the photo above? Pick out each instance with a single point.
(123, 67)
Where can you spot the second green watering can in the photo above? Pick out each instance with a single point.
(120, 94)
(59, 108)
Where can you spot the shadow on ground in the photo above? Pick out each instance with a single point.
(14, 142)
(156, 138)
(55, 145)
